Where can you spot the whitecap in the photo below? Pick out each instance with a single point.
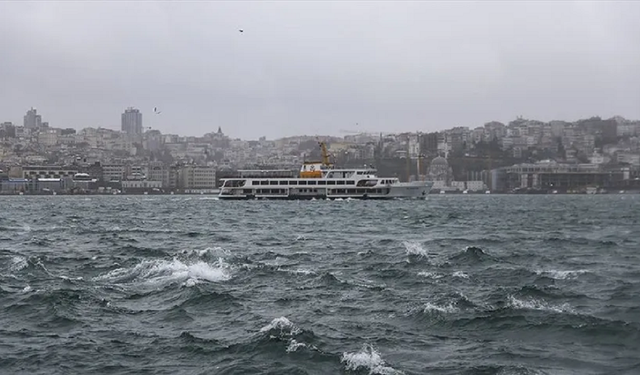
(300, 271)
(283, 324)
(367, 359)
(534, 304)
(445, 309)
(216, 251)
(460, 274)
(79, 278)
(431, 275)
(158, 271)
(414, 248)
(18, 263)
(294, 345)
(561, 274)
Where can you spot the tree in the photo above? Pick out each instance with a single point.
(582, 157)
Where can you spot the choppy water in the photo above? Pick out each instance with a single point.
(192, 285)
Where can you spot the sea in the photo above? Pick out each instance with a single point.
(181, 284)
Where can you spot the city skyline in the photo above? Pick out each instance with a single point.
(136, 125)
(316, 68)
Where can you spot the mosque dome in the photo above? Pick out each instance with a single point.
(439, 161)
(439, 169)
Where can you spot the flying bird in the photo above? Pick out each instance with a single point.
(155, 110)
(241, 30)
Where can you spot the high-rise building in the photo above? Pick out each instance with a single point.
(32, 120)
(132, 121)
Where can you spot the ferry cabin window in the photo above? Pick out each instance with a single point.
(302, 182)
(264, 182)
(322, 182)
(340, 182)
(311, 182)
(283, 182)
(350, 182)
(331, 182)
(254, 182)
(273, 182)
(293, 182)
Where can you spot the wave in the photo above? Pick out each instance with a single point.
(189, 338)
(415, 249)
(156, 272)
(295, 340)
(471, 254)
(547, 292)
(562, 274)
(536, 304)
(460, 274)
(330, 280)
(431, 275)
(504, 370)
(282, 326)
(438, 276)
(18, 263)
(368, 359)
(24, 228)
(446, 308)
(58, 309)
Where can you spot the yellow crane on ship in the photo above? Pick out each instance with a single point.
(313, 169)
(324, 153)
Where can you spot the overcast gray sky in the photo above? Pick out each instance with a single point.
(317, 67)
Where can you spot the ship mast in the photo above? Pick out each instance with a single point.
(325, 154)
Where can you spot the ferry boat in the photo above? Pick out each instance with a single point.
(320, 180)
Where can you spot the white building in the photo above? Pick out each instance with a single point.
(141, 184)
(197, 177)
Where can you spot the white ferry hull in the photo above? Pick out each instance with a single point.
(321, 181)
(415, 189)
(402, 190)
